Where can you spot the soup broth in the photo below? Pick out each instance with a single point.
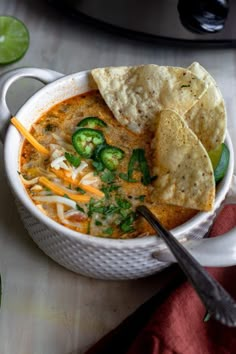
(93, 192)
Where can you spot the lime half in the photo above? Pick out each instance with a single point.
(14, 39)
(220, 161)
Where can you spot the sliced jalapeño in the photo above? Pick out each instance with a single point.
(111, 156)
(92, 122)
(85, 141)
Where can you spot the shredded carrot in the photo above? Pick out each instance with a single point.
(29, 137)
(87, 188)
(58, 190)
(92, 190)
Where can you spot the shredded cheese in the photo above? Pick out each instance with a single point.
(55, 199)
(29, 137)
(61, 174)
(86, 187)
(92, 190)
(58, 190)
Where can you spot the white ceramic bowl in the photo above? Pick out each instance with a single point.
(88, 255)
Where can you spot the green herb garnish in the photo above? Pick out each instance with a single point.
(98, 166)
(108, 189)
(137, 162)
(126, 178)
(123, 203)
(127, 224)
(108, 176)
(78, 189)
(141, 198)
(143, 165)
(184, 86)
(98, 223)
(95, 207)
(78, 207)
(108, 231)
(72, 159)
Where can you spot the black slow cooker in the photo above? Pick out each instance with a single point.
(210, 22)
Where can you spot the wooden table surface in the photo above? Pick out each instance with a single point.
(47, 309)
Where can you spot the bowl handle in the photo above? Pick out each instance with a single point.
(6, 80)
(210, 252)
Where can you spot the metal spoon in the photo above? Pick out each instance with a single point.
(217, 301)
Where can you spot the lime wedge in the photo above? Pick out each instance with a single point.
(14, 39)
(220, 161)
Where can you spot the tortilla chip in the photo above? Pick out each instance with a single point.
(136, 94)
(207, 118)
(184, 171)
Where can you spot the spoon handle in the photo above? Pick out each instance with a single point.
(216, 300)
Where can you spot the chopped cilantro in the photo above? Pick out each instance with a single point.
(111, 209)
(123, 203)
(126, 178)
(137, 162)
(98, 166)
(108, 231)
(133, 162)
(184, 86)
(65, 196)
(141, 198)
(78, 189)
(98, 223)
(143, 165)
(78, 207)
(108, 176)
(72, 159)
(95, 207)
(108, 189)
(124, 213)
(127, 224)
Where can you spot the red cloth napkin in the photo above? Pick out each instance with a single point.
(172, 321)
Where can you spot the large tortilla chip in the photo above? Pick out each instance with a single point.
(184, 170)
(207, 118)
(136, 94)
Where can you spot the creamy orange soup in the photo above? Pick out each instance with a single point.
(98, 194)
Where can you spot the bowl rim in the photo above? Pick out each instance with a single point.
(141, 242)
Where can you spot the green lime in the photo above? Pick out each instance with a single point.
(14, 39)
(220, 161)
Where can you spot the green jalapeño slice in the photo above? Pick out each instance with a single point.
(91, 122)
(111, 156)
(85, 141)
